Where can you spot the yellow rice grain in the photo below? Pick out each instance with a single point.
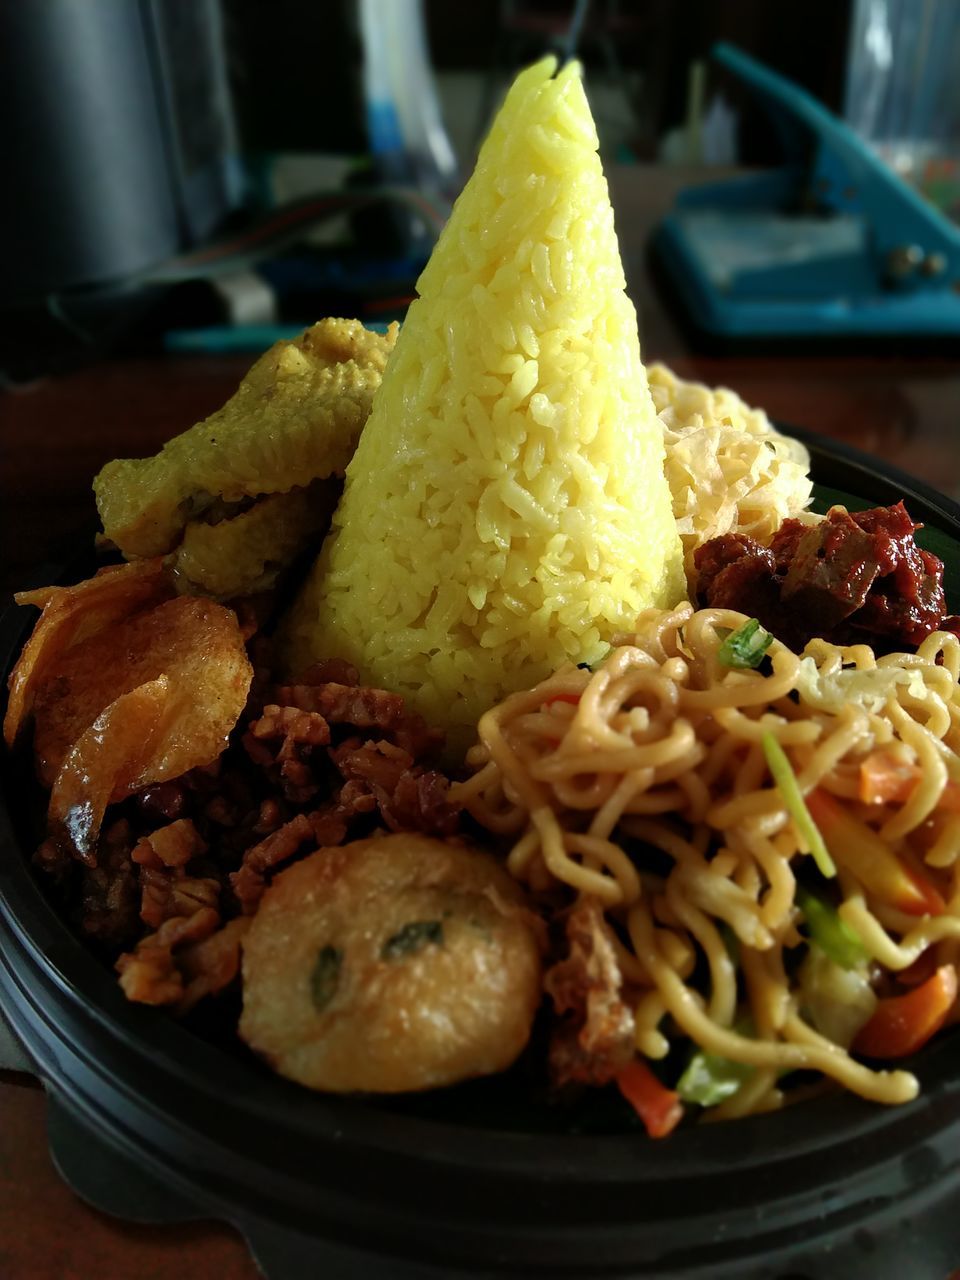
(506, 510)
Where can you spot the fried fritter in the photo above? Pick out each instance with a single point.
(295, 418)
(393, 963)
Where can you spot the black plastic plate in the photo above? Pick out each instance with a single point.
(153, 1121)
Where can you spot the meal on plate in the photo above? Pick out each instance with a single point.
(474, 694)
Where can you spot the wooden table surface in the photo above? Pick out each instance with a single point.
(54, 436)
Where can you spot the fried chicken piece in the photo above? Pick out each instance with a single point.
(295, 418)
(245, 554)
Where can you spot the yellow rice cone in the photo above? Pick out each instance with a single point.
(506, 510)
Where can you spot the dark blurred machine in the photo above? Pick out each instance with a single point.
(119, 151)
(139, 139)
(119, 139)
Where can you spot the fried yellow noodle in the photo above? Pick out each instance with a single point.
(662, 747)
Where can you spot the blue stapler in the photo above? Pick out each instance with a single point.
(833, 243)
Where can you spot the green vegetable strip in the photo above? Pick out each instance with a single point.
(831, 934)
(788, 787)
(710, 1079)
(745, 647)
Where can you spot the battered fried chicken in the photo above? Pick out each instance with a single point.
(294, 419)
(244, 554)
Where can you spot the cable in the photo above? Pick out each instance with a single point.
(572, 39)
(55, 309)
(282, 225)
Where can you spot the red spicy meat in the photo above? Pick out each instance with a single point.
(854, 577)
(831, 571)
(735, 572)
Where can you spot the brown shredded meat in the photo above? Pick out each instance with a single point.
(109, 896)
(150, 974)
(170, 846)
(182, 867)
(250, 881)
(595, 1035)
(165, 895)
(211, 964)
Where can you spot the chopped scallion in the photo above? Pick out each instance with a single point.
(830, 932)
(789, 788)
(745, 647)
(325, 976)
(413, 937)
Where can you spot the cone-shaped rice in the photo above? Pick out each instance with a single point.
(506, 510)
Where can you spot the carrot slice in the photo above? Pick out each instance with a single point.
(901, 1025)
(886, 780)
(859, 849)
(658, 1107)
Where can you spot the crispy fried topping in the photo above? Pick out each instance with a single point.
(595, 1037)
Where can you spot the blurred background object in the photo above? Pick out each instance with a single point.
(120, 148)
(830, 244)
(902, 94)
(213, 174)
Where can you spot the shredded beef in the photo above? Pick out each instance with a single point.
(248, 882)
(149, 974)
(298, 733)
(595, 1035)
(54, 860)
(345, 704)
(269, 817)
(170, 846)
(211, 964)
(419, 803)
(293, 725)
(165, 894)
(363, 708)
(336, 670)
(109, 893)
(379, 764)
(311, 765)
